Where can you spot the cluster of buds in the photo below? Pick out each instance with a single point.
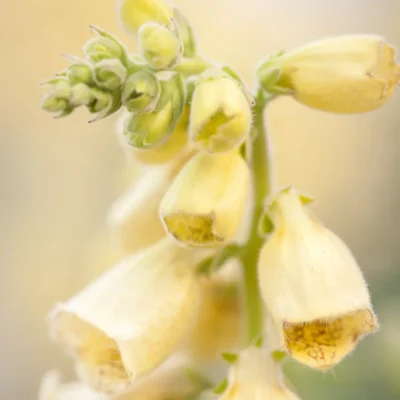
(186, 123)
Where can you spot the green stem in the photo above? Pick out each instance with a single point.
(260, 164)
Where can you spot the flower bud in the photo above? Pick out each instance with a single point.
(58, 100)
(218, 327)
(103, 103)
(105, 47)
(347, 74)
(147, 131)
(133, 218)
(220, 118)
(109, 74)
(205, 203)
(141, 92)
(255, 375)
(113, 326)
(135, 13)
(186, 34)
(312, 286)
(80, 73)
(173, 147)
(53, 104)
(159, 46)
(81, 94)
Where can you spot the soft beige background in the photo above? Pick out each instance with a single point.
(58, 177)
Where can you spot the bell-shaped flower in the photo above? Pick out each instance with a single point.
(312, 286)
(345, 74)
(206, 201)
(132, 318)
(256, 376)
(218, 327)
(221, 116)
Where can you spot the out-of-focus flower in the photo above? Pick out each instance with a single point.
(132, 318)
(220, 118)
(255, 375)
(312, 286)
(206, 201)
(51, 388)
(135, 13)
(218, 327)
(347, 74)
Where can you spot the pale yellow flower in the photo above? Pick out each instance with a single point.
(312, 286)
(206, 201)
(132, 318)
(256, 376)
(345, 74)
(220, 117)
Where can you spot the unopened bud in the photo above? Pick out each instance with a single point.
(105, 47)
(159, 46)
(146, 131)
(81, 95)
(109, 74)
(80, 73)
(58, 100)
(53, 104)
(141, 92)
(135, 13)
(186, 34)
(348, 74)
(221, 115)
(103, 103)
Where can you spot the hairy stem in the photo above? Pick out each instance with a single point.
(260, 164)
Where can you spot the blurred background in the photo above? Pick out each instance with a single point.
(59, 177)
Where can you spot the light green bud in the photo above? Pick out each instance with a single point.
(109, 74)
(58, 100)
(104, 103)
(160, 47)
(104, 47)
(135, 13)
(186, 34)
(80, 73)
(141, 92)
(54, 104)
(81, 94)
(147, 131)
(62, 89)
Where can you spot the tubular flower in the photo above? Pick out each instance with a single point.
(218, 327)
(205, 202)
(255, 375)
(135, 13)
(348, 74)
(113, 326)
(220, 118)
(312, 286)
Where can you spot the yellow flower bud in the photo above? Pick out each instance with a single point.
(348, 74)
(159, 46)
(312, 286)
(133, 219)
(175, 146)
(255, 375)
(135, 13)
(218, 327)
(113, 326)
(205, 203)
(220, 118)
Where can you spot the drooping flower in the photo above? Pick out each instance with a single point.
(345, 74)
(205, 203)
(312, 286)
(132, 318)
(256, 376)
